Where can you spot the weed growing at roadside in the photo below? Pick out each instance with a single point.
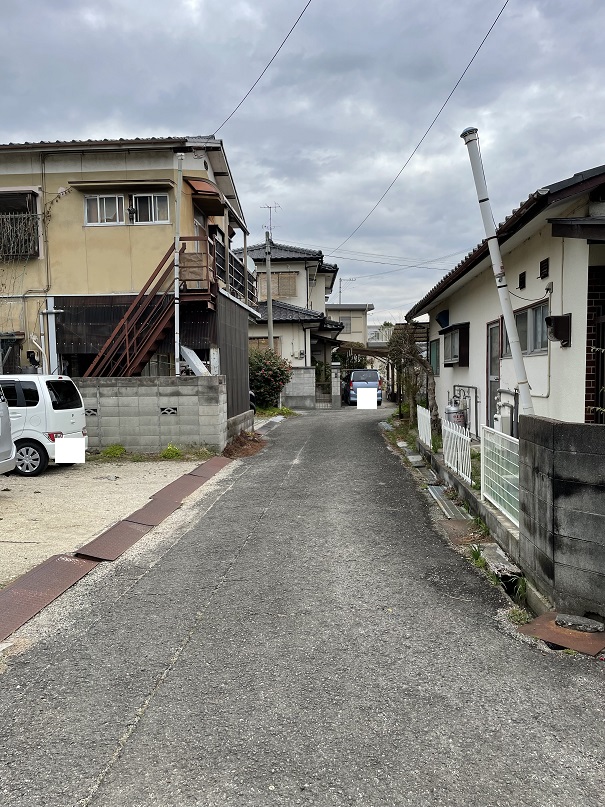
(519, 584)
(518, 616)
(113, 452)
(476, 556)
(493, 578)
(118, 453)
(476, 470)
(481, 526)
(272, 411)
(171, 452)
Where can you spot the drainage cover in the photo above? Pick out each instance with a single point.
(114, 542)
(28, 595)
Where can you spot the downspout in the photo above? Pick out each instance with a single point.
(246, 272)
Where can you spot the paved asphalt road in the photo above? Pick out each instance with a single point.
(308, 638)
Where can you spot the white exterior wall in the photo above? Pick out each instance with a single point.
(292, 339)
(317, 293)
(556, 378)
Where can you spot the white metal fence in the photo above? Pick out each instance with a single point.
(500, 472)
(457, 449)
(424, 426)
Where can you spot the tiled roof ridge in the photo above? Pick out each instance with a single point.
(108, 140)
(315, 252)
(295, 308)
(481, 249)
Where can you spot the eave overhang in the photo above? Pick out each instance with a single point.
(559, 192)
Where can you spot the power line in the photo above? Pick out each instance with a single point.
(265, 70)
(455, 87)
(377, 254)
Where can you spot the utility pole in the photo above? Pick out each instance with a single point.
(268, 237)
(340, 282)
(177, 258)
(471, 139)
(269, 289)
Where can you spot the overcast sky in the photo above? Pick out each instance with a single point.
(337, 114)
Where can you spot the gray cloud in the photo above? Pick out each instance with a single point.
(337, 114)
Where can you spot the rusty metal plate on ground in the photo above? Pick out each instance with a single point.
(154, 512)
(544, 627)
(114, 542)
(181, 488)
(210, 467)
(36, 589)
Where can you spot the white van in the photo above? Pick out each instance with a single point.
(42, 408)
(8, 451)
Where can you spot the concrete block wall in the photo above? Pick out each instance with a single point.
(299, 392)
(562, 512)
(146, 414)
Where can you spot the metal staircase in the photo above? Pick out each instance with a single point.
(151, 315)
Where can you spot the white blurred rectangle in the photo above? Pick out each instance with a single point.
(70, 449)
(367, 398)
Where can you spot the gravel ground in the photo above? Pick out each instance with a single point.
(65, 507)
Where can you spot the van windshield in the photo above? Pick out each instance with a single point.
(64, 395)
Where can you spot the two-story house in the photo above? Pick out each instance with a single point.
(301, 282)
(303, 333)
(88, 236)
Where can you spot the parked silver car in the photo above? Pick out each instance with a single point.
(8, 451)
(360, 379)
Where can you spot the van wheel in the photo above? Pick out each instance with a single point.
(32, 459)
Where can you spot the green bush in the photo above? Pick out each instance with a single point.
(269, 374)
(114, 451)
(171, 452)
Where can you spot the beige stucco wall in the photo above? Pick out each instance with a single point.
(359, 323)
(79, 259)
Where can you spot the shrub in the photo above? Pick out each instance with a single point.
(269, 374)
(114, 451)
(171, 452)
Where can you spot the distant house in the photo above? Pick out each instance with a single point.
(553, 249)
(87, 232)
(354, 318)
(300, 284)
(303, 333)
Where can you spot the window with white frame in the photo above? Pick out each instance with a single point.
(531, 329)
(346, 321)
(104, 210)
(150, 208)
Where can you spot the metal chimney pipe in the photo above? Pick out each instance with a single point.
(471, 139)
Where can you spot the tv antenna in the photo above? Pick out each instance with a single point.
(270, 208)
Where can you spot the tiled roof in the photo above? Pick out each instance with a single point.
(121, 141)
(286, 312)
(281, 252)
(522, 215)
